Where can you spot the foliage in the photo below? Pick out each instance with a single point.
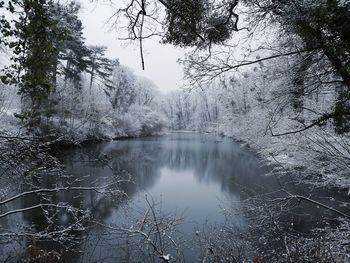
(72, 57)
(100, 67)
(184, 19)
(32, 38)
(315, 32)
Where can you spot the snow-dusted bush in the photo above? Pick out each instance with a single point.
(128, 125)
(151, 122)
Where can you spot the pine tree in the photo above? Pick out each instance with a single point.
(100, 67)
(72, 55)
(31, 40)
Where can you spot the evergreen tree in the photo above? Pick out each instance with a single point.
(100, 67)
(32, 43)
(72, 55)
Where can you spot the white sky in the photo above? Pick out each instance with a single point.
(160, 60)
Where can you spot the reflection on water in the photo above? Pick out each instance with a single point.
(185, 163)
(189, 174)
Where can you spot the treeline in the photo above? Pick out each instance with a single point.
(64, 85)
(259, 106)
(276, 75)
(311, 37)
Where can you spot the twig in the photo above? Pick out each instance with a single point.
(53, 190)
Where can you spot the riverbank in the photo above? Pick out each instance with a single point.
(316, 156)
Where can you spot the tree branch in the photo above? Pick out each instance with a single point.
(316, 123)
(31, 208)
(54, 190)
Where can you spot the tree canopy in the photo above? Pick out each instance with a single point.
(317, 31)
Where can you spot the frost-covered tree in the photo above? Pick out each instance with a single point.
(31, 39)
(123, 89)
(315, 31)
(46, 42)
(100, 67)
(72, 53)
(321, 27)
(146, 92)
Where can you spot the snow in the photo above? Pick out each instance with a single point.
(230, 109)
(253, 107)
(165, 258)
(85, 114)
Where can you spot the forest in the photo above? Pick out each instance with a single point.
(263, 112)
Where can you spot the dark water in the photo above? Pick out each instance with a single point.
(189, 175)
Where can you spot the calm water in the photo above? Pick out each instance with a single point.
(190, 175)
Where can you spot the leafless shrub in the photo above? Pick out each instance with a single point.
(149, 236)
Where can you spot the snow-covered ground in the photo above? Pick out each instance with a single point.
(316, 155)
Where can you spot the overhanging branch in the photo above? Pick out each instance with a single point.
(315, 123)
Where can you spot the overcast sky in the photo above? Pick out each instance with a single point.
(161, 66)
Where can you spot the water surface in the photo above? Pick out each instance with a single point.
(189, 175)
(192, 175)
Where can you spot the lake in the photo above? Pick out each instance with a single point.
(202, 179)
